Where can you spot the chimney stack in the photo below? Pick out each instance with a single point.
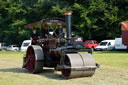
(68, 25)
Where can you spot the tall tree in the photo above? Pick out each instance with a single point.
(91, 19)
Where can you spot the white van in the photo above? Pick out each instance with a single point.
(3, 46)
(25, 45)
(119, 45)
(106, 45)
(0, 47)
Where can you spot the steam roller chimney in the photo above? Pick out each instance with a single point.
(68, 26)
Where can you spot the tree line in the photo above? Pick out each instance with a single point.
(91, 19)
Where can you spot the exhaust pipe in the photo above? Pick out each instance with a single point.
(68, 26)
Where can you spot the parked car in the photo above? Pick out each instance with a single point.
(119, 45)
(13, 48)
(25, 45)
(106, 45)
(90, 44)
(3, 46)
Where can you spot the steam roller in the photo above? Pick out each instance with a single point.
(78, 65)
(60, 50)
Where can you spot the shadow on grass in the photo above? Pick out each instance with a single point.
(15, 70)
(51, 74)
(48, 73)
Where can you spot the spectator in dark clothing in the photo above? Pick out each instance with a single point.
(34, 37)
(45, 31)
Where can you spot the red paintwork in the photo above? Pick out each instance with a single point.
(31, 60)
(124, 28)
(90, 44)
(125, 37)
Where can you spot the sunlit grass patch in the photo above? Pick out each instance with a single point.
(113, 71)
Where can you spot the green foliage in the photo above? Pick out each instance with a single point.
(91, 19)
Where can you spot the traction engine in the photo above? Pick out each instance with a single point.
(60, 50)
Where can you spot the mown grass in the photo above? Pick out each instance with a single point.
(113, 71)
(112, 59)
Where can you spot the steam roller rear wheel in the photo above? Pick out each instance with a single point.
(77, 61)
(34, 59)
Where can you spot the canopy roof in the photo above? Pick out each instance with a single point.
(58, 21)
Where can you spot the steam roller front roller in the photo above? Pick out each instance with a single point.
(33, 60)
(78, 65)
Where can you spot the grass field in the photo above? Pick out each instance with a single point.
(113, 71)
